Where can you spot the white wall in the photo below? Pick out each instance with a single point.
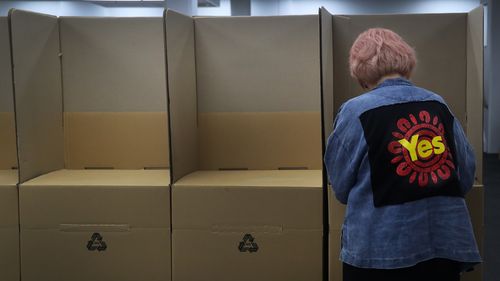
(289, 7)
(59, 8)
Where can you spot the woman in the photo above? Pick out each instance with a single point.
(401, 162)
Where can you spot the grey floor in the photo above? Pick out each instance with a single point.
(492, 217)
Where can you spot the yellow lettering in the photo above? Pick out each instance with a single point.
(438, 145)
(424, 149)
(411, 146)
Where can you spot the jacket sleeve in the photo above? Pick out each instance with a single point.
(344, 153)
(465, 159)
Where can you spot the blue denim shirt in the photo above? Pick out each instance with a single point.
(396, 235)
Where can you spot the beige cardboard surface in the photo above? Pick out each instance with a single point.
(260, 140)
(37, 74)
(9, 226)
(113, 64)
(474, 97)
(137, 198)
(327, 71)
(6, 95)
(214, 210)
(129, 208)
(121, 140)
(8, 151)
(449, 52)
(441, 52)
(282, 199)
(136, 254)
(208, 255)
(279, 71)
(179, 32)
(335, 271)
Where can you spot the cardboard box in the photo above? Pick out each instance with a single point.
(265, 220)
(101, 225)
(247, 134)
(9, 226)
(93, 147)
(449, 48)
(9, 209)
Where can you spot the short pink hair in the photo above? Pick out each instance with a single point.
(378, 52)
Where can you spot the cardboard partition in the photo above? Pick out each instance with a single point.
(246, 147)
(450, 62)
(475, 85)
(38, 93)
(114, 93)
(9, 226)
(99, 118)
(8, 159)
(449, 52)
(9, 214)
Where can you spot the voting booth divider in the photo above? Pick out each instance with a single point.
(9, 215)
(92, 133)
(449, 51)
(247, 137)
(234, 112)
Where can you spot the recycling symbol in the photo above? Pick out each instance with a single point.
(248, 244)
(96, 243)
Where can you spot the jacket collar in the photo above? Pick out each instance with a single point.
(394, 82)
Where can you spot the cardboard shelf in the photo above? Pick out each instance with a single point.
(103, 178)
(254, 178)
(8, 177)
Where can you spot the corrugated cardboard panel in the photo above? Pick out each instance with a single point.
(475, 85)
(8, 152)
(335, 270)
(281, 256)
(439, 42)
(228, 199)
(327, 71)
(258, 64)
(113, 64)
(260, 140)
(9, 226)
(37, 76)
(121, 140)
(56, 255)
(6, 95)
(179, 32)
(137, 198)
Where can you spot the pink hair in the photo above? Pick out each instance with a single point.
(378, 52)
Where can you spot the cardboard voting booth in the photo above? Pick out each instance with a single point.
(93, 147)
(246, 147)
(9, 215)
(450, 62)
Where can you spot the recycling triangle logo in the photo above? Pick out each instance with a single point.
(96, 242)
(248, 244)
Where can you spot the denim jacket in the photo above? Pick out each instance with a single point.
(401, 162)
